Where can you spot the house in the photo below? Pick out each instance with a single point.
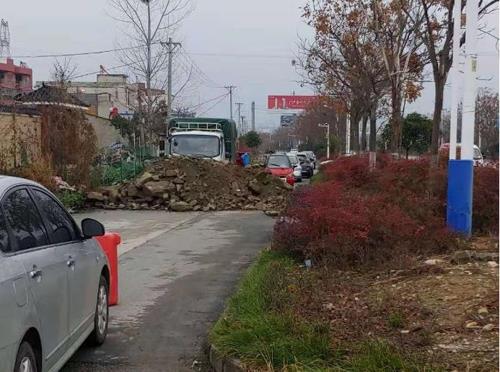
(111, 94)
(24, 124)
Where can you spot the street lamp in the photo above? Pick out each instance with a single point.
(327, 126)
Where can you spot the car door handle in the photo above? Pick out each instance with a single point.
(35, 273)
(70, 262)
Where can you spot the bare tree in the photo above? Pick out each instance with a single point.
(396, 23)
(437, 34)
(148, 26)
(63, 71)
(343, 62)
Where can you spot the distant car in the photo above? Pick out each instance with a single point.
(478, 156)
(53, 280)
(307, 167)
(297, 169)
(310, 155)
(280, 166)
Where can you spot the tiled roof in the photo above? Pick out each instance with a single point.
(48, 95)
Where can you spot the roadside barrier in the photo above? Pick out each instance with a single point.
(109, 243)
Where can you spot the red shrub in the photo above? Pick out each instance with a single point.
(360, 216)
(485, 203)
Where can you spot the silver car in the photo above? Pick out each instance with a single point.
(53, 280)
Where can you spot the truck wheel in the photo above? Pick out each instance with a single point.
(25, 360)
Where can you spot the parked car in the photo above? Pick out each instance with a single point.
(310, 156)
(53, 280)
(279, 165)
(478, 156)
(307, 167)
(297, 169)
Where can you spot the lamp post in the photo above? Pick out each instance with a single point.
(327, 126)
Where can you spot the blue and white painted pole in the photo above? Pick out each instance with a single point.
(461, 172)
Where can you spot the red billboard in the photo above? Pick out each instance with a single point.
(289, 102)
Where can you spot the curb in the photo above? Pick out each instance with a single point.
(224, 364)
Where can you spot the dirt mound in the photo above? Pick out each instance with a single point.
(184, 184)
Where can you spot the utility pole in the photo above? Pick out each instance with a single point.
(461, 172)
(457, 23)
(253, 116)
(171, 46)
(243, 125)
(230, 88)
(239, 104)
(327, 126)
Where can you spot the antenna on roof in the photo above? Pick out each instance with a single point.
(4, 39)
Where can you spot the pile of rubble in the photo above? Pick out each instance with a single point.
(183, 184)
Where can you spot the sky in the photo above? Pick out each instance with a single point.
(248, 44)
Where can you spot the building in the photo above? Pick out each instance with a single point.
(24, 125)
(14, 79)
(111, 94)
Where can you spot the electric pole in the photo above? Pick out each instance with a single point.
(253, 116)
(239, 104)
(243, 125)
(230, 88)
(171, 46)
(455, 92)
(461, 172)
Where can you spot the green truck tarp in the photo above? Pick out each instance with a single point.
(228, 129)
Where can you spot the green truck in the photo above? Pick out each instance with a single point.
(206, 138)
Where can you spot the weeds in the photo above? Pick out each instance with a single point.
(251, 330)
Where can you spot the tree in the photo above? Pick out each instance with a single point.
(148, 25)
(63, 71)
(312, 137)
(395, 23)
(252, 139)
(436, 32)
(487, 122)
(416, 134)
(343, 62)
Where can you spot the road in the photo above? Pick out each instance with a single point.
(174, 279)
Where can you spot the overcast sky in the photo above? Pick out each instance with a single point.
(249, 44)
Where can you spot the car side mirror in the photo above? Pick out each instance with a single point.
(91, 228)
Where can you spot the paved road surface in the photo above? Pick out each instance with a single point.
(172, 286)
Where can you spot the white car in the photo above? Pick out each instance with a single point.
(478, 155)
(297, 169)
(309, 155)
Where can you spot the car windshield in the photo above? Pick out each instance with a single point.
(196, 146)
(293, 160)
(303, 158)
(278, 161)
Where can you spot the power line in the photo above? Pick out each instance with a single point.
(208, 101)
(216, 103)
(76, 54)
(104, 51)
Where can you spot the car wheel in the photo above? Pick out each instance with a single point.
(101, 316)
(25, 360)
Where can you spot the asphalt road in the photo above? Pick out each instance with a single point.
(174, 281)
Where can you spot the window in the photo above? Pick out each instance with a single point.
(4, 235)
(196, 145)
(59, 224)
(24, 220)
(278, 161)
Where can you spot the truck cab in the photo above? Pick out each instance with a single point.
(204, 138)
(198, 144)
